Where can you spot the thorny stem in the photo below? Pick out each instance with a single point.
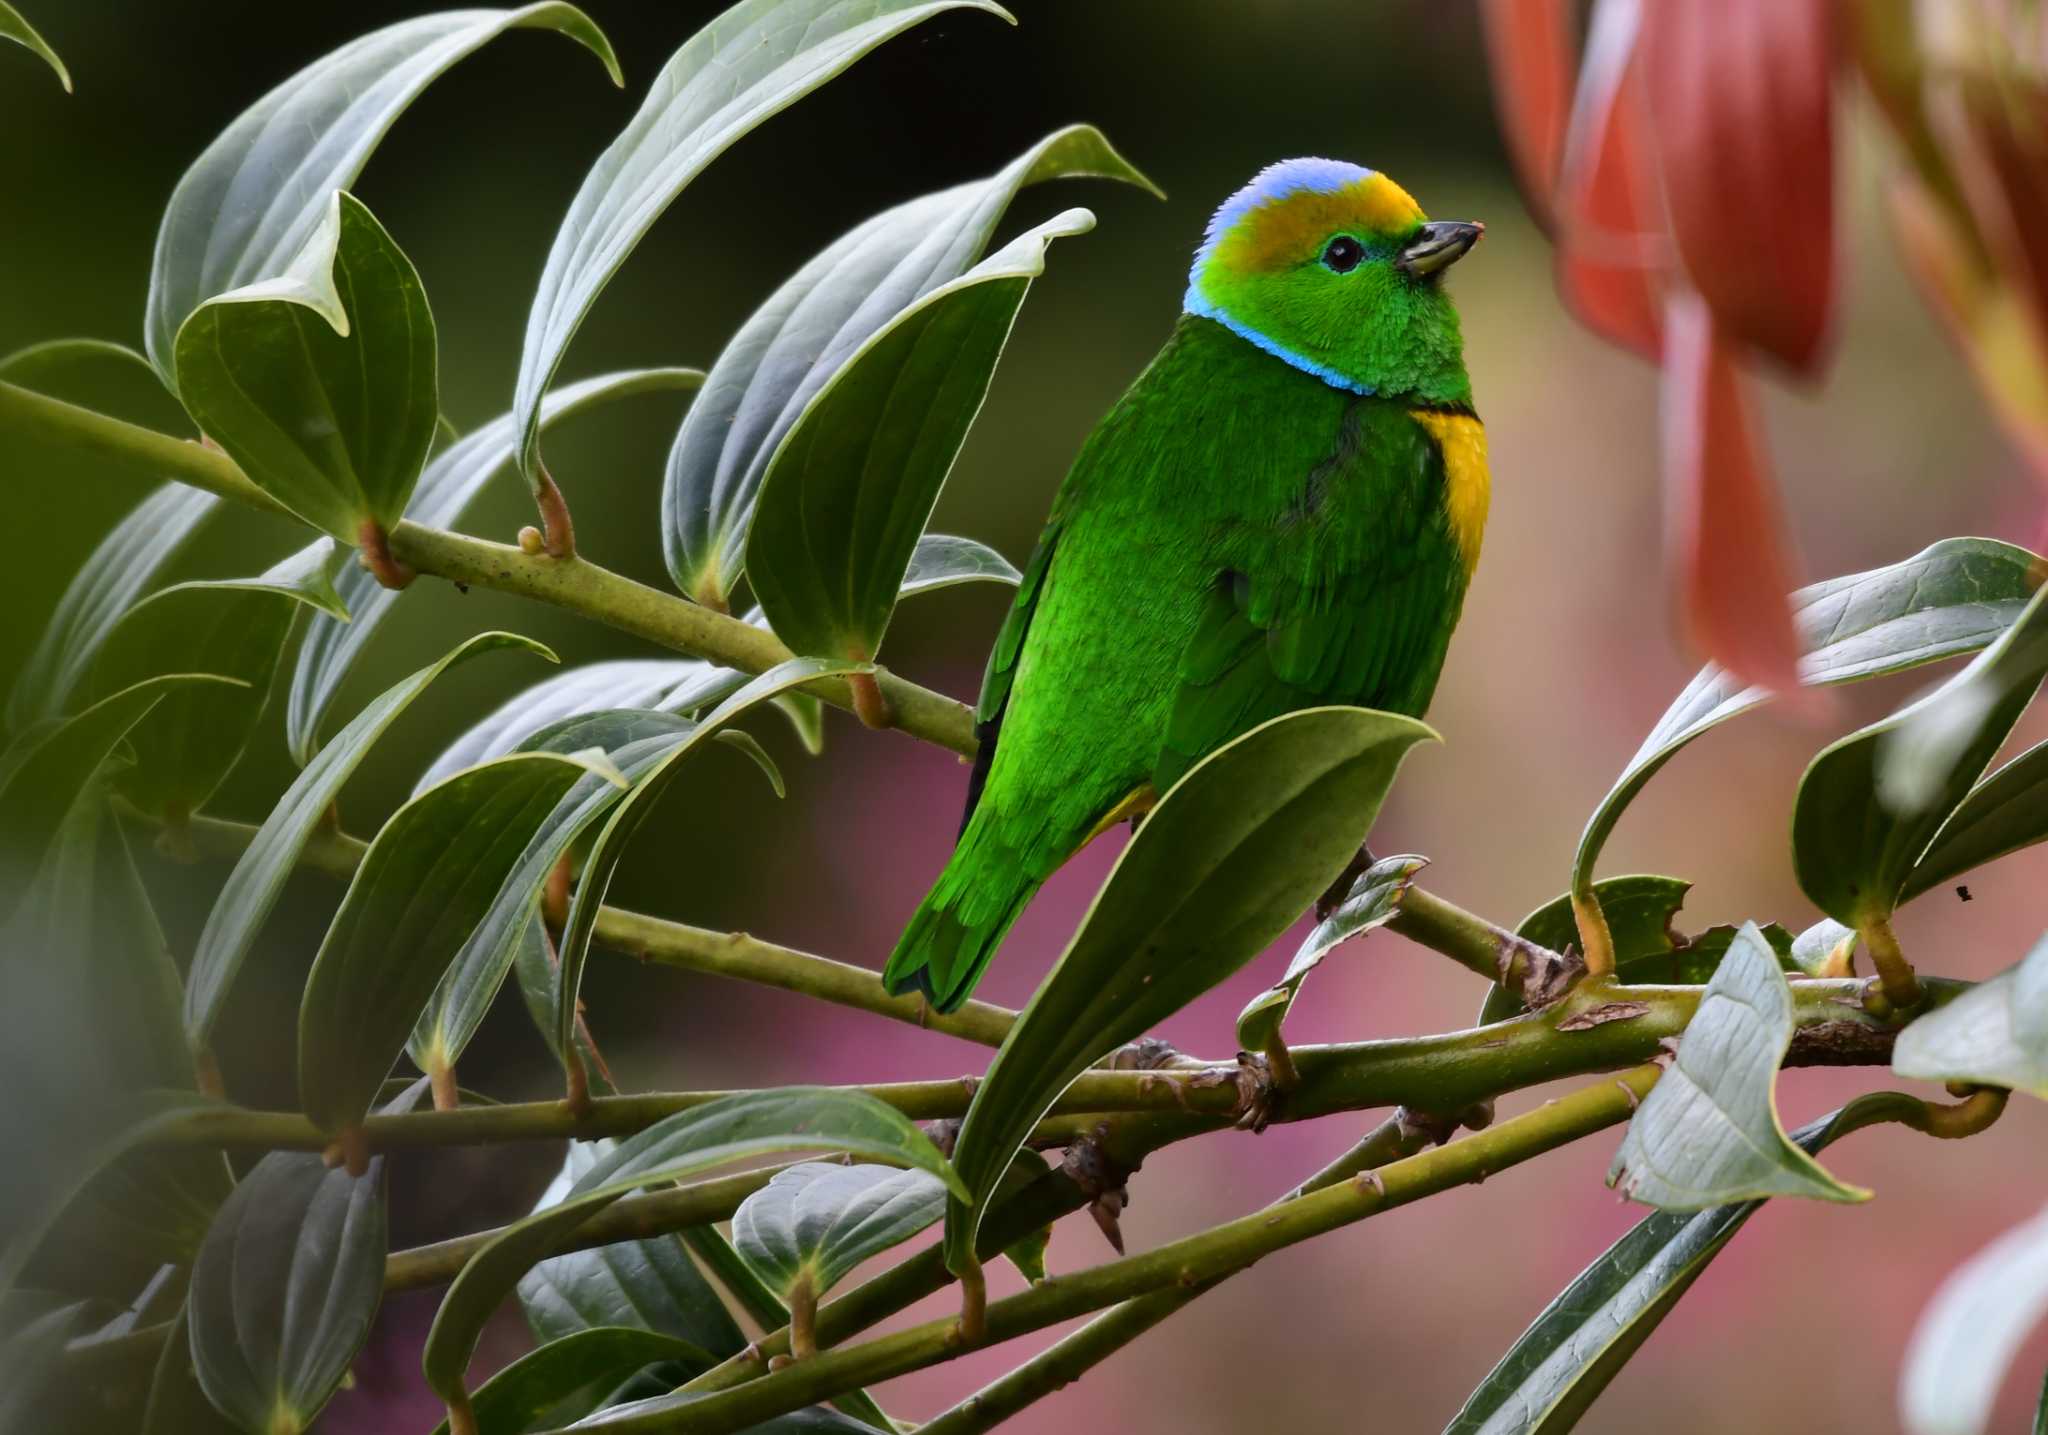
(1894, 972)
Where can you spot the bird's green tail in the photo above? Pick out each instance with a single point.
(956, 930)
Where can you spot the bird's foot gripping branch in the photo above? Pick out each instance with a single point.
(151, 1284)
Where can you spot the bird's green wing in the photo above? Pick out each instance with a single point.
(1002, 663)
(1348, 602)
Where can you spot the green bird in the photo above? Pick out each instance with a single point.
(1283, 512)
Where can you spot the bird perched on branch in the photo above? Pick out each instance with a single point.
(1283, 512)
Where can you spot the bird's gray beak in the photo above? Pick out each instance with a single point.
(1437, 245)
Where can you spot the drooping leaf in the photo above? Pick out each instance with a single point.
(285, 1288)
(1734, 560)
(252, 889)
(2000, 815)
(1552, 1375)
(125, 563)
(852, 484)
(237, 628)
(1708, 1132)
(385, 951)
(1370, 904)
(322, 383)
(1952, 597)
(1232, 854)
(446, 489)
(13, 26)
(813, 1223)
(648, 1284)
(247, 206)
(1994, 1033)
(795, 342)
(1872, 802)
(940, 560)
(1970, 1331)
(753, 61)
(1742, 95)
(609, 847)
(728, 1129)
(538, 1382)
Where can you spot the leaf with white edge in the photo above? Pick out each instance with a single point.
(127, 560)
(649, 1284)
(1968, 1335)
(328, 401)
(251, 890)
(1552, 1375)
(852, 484)
(811, 1420)
(445, 491)
(238, 628)
(249, 203)
(517, 1397)
(2004, 813)
(385, 951)
(1872, 802)
(285, 1288)
(940, 560)
(635, 741)
(758, 1123)
(1372, 902)
(1233, 853)
(810, 327)
(1952, 597)
(1993, 1034)
(1708, 1132)
(13, 26)
(612, 840)
(750, 63)
(1825, 949)
(813, 1223)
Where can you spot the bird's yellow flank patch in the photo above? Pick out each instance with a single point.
(1277, 234)
(1468, 487)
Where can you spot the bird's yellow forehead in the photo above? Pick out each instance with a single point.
(1278, 233)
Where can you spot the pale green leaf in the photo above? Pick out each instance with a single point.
(1970, 1332)
(1993, 1034)
(1372, 902)
(13, 26)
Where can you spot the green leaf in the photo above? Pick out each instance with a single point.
(813, 1223)
(43, 771)
(385, 951)
(285, 1288)
(248, 205)
(237, 628)
(757, 1123)
(649, 1284)
(852, 484)
(2000, 815)
(784, 354)
(1873, 802)
(753, 61)
(127, 560)
(1952, 597)
(1370, 904)
(251, 891)
(176, 1405)
(1970, 1332)
(34, 365)
(535, 1384)
(445, 491)
(1708, 1132)
(811, 1420)
(1028, 1254)
(1994, 1033)
(14, 27)
(1231, 856)
(940, 561)
(635, 741)
(609, 848)
(35, 1327)
(321, 384)
(1552, 1375)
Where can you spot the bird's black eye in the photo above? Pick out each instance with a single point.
(1341, 255)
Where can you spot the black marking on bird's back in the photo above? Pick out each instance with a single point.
(1350, 438)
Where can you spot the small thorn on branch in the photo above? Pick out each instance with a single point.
(373, 552)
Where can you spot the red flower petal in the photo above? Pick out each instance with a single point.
(1611, 255)
(1724, 529)
(1740, 91)
(1530, 51)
